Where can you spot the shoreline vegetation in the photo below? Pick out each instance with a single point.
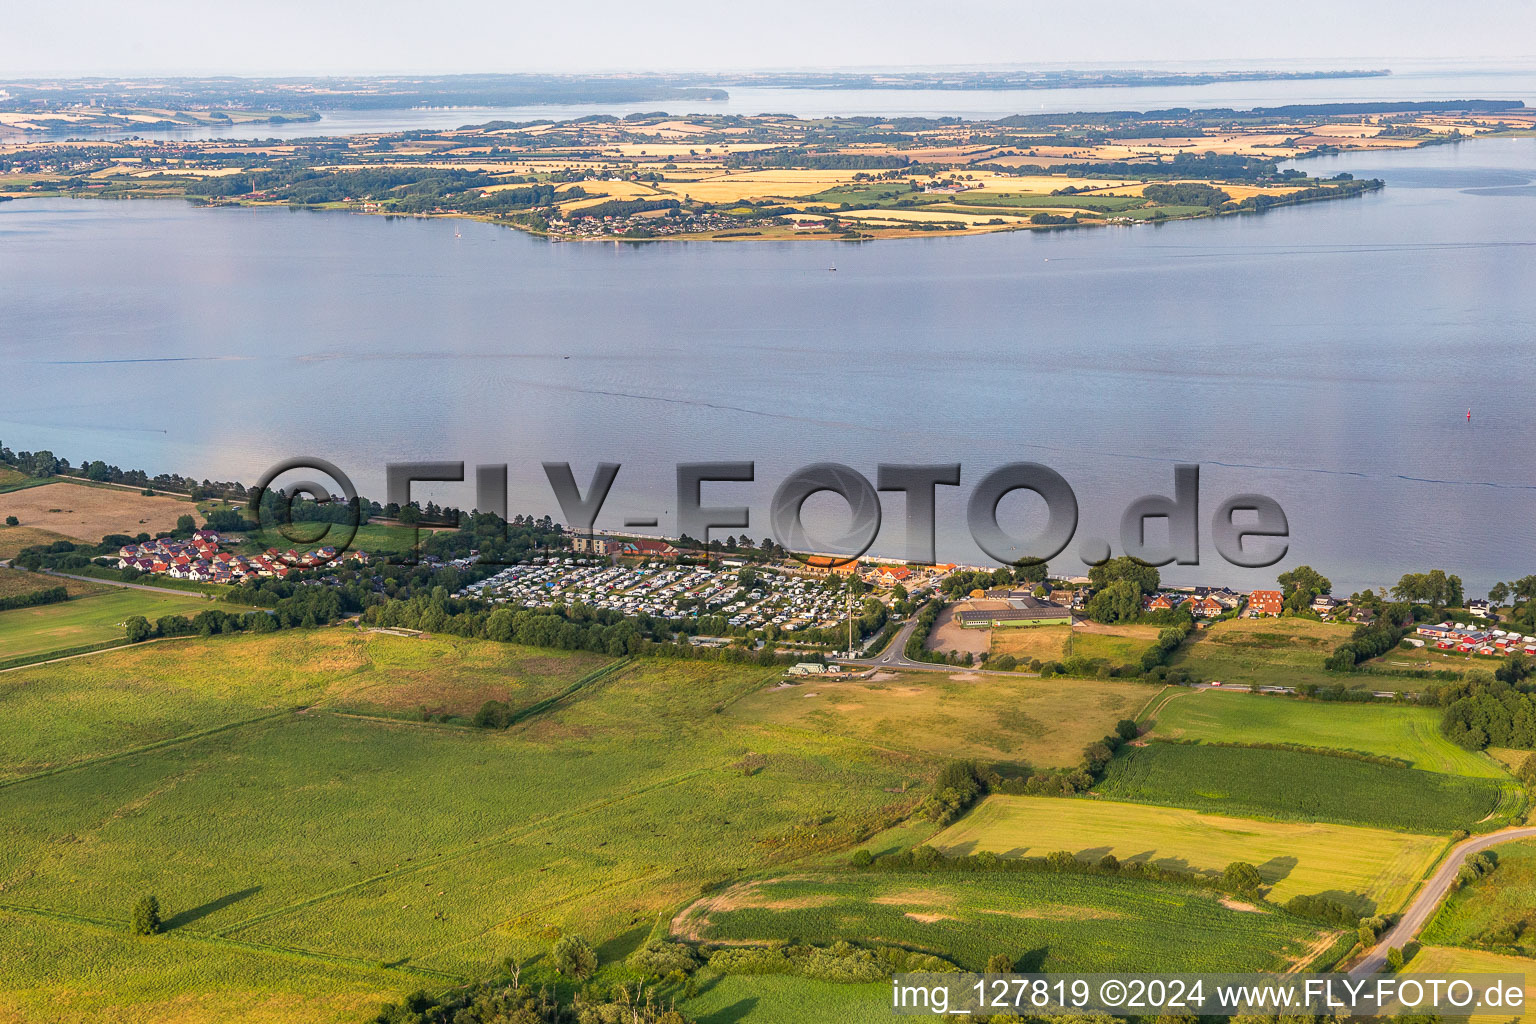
(655, 176)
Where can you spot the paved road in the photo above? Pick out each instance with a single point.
(128, 586)
(1429, 898)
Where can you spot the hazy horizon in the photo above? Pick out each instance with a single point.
(385, 37)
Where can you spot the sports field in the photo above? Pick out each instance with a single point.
(1379, 866)
(1044, 921)
(1410, 734)
(89, 620)
(1290, 785)
(1038, 722)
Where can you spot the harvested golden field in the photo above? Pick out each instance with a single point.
(1377, 866)
(1443, 961)
(87, 513)
(14, 538)
(1038, 722)
(1047, 643)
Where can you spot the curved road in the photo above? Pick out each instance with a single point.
(1429, 898)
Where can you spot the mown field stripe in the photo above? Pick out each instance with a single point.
(479, 845)
(146, 748)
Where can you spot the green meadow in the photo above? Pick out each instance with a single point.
(1496, 912)
(1409, 734)
(1044, 922)
(90, 619)
(285, 798)
(105, 704)
(1291, 785)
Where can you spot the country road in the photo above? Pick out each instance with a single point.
(1430, 897)
(128, 586)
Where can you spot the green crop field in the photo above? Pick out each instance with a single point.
(102, 705)
(1410, 734)
(58, 970)
(1278, 652)
(89, 620)
(1047, 922)
(327, 833)
(1498, 910)
(1039, 722)
(1295, 786)
(1378, 866)
(777, 999)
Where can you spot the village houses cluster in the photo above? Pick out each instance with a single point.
(201, 559)
(1465, 638)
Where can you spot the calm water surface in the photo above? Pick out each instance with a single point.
(1325, 355)
(1410, 80)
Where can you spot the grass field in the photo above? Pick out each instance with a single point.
(11, 479)
(441, 847)
(94, 707)
(1443, 961)
(89, 620)
(77, 971)
(1046, 643)
(1279, 652)
(1501, 902)
(87, 513)
(13, 539)
(1120, 644)
(1377, 867)
(1410, 734)
(775, 999)
(1047, 922)
(1282, 652)
(1290, 785)
(15, 582)
(1039, 722)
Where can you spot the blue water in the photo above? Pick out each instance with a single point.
(1325, 355)
(1410, 80)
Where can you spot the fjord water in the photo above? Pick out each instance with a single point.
(1325, 355)
(1409, 80)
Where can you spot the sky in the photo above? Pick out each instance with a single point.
(314, 37)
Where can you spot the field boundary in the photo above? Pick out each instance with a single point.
(170, 741)
(270, 949)
(478, 846)
(540, 706)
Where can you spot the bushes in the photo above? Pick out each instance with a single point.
(841, 962)
(49, 595)
(1168, 641)
(662, 958)
(1371, 640)
(1324, 910)
(574, 957)
(957, 787)
(146, 916)
(493, 714)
